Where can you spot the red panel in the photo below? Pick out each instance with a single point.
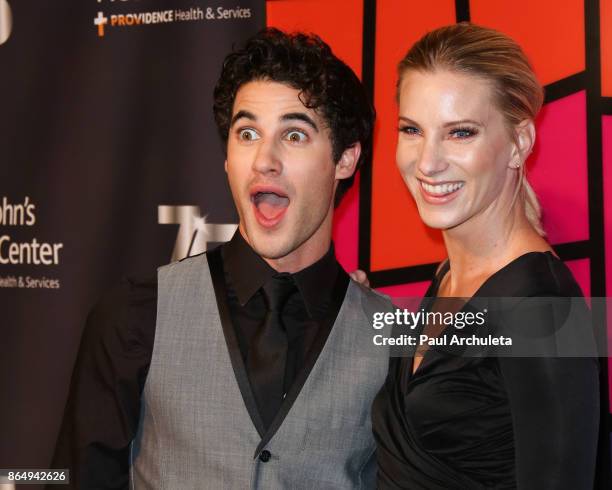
(605, 33)
(399, 239)
(340, 24)
(550, 32)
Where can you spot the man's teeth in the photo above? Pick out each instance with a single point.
(442, 189)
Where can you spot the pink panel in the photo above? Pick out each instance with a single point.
(581, 269)
(346, 228)
(410, 290)
(607, 181)
(607, 177)
(558, 169)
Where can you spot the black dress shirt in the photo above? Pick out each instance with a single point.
(104, 404)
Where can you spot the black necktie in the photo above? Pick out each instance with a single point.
(267, 356)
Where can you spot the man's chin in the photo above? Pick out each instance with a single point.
(271, 251)
(269, 244)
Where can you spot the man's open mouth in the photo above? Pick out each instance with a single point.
(270, 205)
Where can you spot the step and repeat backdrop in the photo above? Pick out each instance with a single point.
(110, 163)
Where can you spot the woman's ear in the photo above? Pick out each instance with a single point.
(524, 137)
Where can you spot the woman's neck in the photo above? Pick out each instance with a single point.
(483, 245)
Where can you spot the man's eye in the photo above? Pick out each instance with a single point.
(408, 130)
(295, 136)
(463, 133)
(248, 134)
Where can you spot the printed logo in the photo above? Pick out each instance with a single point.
(6, 21)
(100, 21)
(22, 249)
(190, 14)
(194, 233)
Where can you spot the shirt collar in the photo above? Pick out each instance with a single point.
(249, 272)
(316, 284)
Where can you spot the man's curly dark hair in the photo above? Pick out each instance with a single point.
(326, 84)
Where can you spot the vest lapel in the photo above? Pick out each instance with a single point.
(215, 265)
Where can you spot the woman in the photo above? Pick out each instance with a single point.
(467, 102)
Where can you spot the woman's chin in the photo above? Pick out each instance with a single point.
(439, 222)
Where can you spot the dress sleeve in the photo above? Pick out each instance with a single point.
(103, 408)
(555, 413)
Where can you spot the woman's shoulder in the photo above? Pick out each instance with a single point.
(533, 274)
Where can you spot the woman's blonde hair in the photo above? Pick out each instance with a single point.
(493, 57)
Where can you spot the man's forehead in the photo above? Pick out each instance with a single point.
(264, 98)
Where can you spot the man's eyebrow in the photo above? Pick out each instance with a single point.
(300, 116)
(241, 114)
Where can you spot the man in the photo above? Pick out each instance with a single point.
(245, 367)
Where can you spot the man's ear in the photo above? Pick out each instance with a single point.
(525, 136)
(345, 167)
(225, 165)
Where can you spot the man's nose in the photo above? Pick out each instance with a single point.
(268, 159)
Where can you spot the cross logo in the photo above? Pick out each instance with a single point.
(6, 21)
(100, 21)
(194, 232)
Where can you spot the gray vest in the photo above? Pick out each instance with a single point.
(196, 431)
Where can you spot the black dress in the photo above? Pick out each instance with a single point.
(491, 422)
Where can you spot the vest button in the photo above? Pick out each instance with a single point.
(264, 456)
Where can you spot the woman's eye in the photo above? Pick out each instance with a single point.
(248, 134)
(463, 133)
(296, 136)
(409, 130)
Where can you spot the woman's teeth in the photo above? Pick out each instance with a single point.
(441, 189)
